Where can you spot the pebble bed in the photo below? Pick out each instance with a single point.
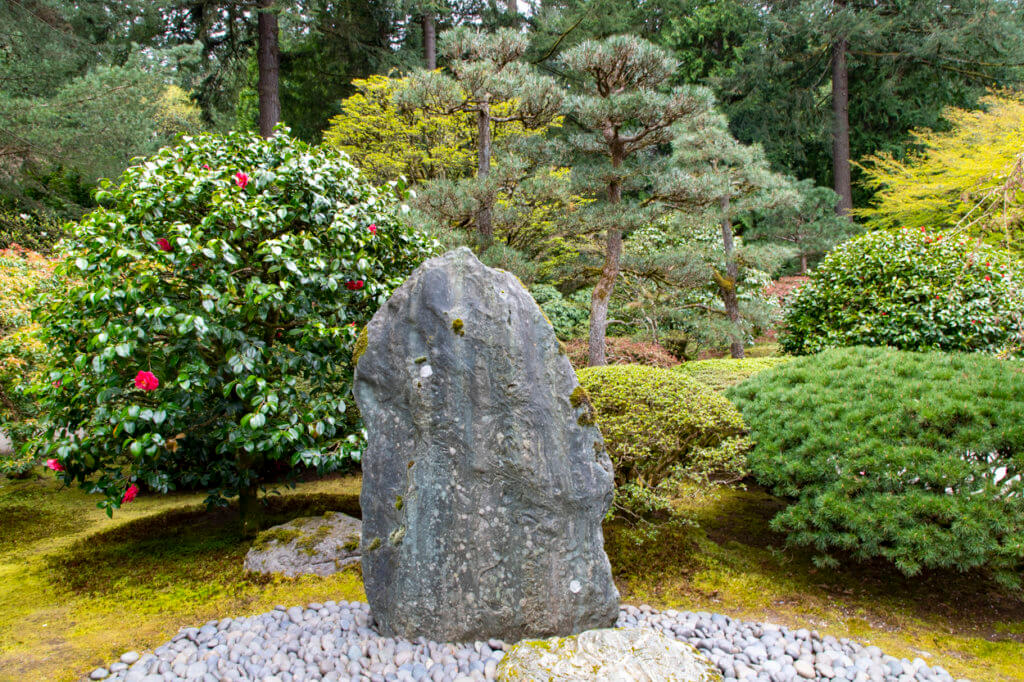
(337, 641)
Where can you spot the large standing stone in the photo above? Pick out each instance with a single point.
(485, 480)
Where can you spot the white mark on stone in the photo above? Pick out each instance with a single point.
(575, 587)
(426, 371)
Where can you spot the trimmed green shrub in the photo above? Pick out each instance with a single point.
(912, 457)
(33, 231)
(220, 292)
(912, 290)
(566, 316)
(721, 373)
(663, 430)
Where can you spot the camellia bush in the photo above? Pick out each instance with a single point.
(208, 341)
(915, 458)
(666, 434)
(912, 290)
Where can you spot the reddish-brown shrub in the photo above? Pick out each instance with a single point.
(622, 350)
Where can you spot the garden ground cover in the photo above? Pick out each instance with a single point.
(77, 589)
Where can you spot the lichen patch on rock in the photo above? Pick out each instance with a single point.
(316, 545)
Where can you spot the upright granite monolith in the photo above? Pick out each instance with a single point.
(485, 480)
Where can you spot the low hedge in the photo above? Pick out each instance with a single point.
(915, 458)
(722, 373)
(663, 430)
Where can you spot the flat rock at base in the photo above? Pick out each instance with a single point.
(610, 655)
(485, 480)
(312, 545)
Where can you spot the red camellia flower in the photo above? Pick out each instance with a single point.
(988, 278)
(130, 493)
(147, 381)
(163, 244)
(352, 285)
(241, 179)
(54, 464)
(373, 228)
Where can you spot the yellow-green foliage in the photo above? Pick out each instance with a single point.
(663, 429)
(177, 113)
(971, 175)
(721, 373)
(21, 351)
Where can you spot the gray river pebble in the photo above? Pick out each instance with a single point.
(336, 641)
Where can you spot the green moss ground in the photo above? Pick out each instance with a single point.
(735, 564)
(77, 588)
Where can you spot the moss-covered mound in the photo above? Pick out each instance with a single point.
(721, 373)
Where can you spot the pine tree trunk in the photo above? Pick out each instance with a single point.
(268, 60)
(483, 168)
(429, 40)
(841, 128)
(727, 289)
(606, 283)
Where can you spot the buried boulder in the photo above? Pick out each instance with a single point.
(485, 480)
(619, 655)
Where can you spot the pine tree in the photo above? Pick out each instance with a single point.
(715, 172)
(486, 78)
(624, 112)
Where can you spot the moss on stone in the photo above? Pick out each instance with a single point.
(362, 341)
(399, 502)
(309, 541)
(351, 545)
(420, 360)
(375, 544)
(457, 327)
(586, 417)
(579, 397)
(278, 535)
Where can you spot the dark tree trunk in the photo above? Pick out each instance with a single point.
(429, 40)
(727, 285)
(841, 128)
(249, 509)
(803, 263)
(606, 283)
(483, 168)
(268, 60)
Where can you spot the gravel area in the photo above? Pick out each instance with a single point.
(337, 641)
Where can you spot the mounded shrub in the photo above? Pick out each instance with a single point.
(912, 290)
(721, 373)
(219, 295)
(912, 457)
(663, 429)
(622, 350)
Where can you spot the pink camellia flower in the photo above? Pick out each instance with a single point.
(373, 228)
(147, 381)
(241, 179)
(163, 244)
(206, 166)
(130, 493)
(54, 464)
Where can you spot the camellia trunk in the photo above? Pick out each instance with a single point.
(429, 40)
(727, 285)
(249, 509)
(483, 168)
(606, 283)
(803, 263)
(268, 60)
(841, 128)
